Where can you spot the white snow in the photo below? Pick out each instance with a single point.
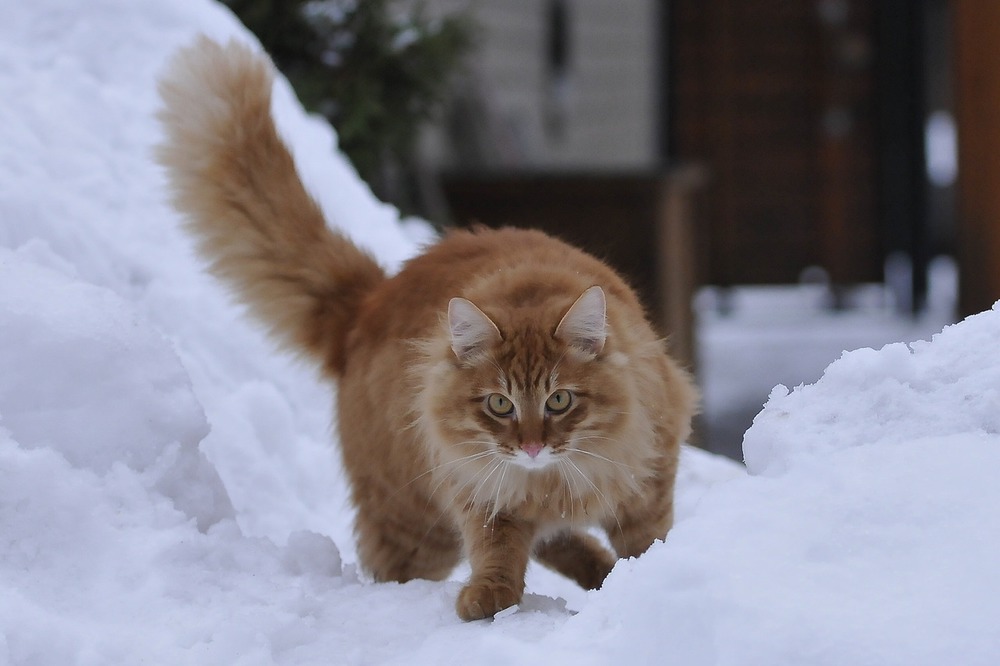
(788, 335)
(170, 491)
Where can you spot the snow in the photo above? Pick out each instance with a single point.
(170, 492)
(787, 335)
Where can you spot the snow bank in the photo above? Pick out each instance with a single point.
(893, 396)
(169, 492)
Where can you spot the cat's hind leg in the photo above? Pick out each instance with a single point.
(578, 556)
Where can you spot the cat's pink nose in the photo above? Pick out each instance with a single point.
(532, 448)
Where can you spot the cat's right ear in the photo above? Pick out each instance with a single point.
(585, 326)
(471, 330)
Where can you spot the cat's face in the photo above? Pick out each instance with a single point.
(532, 396)
(536, 402)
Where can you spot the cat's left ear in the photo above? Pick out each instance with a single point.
(585, 324)
(471, 330)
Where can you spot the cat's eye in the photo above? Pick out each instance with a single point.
(559, 401)
(499, 405)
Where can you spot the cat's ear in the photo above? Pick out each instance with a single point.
(471, 330)
(585, 324)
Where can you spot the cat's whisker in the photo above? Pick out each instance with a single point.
(463, 460)
(600, 495)
(459, 462)
(573, 467)
(456, 495)
(496, 503)
(422, 419)
(616, 463)
(495, 509)
(570, 487)
(479, 487)
(580, 492)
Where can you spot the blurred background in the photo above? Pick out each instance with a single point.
(781, 180)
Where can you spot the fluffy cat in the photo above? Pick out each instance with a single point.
(498, 396)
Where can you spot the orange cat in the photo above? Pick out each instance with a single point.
(499, 395)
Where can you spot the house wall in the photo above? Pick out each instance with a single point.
(603, 115)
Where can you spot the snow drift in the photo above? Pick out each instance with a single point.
(169, 492)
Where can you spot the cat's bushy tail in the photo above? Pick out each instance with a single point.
(235, 181)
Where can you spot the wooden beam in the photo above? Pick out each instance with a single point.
(977, 104)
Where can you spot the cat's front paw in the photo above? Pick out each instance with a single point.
(481, 600)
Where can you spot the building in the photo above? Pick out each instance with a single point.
(556, 84)
(818, 125)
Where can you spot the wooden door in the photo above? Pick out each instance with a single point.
(775, 98)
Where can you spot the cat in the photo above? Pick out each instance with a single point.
(497, 398)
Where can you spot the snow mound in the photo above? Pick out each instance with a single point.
(91, 380)
(893, 396)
